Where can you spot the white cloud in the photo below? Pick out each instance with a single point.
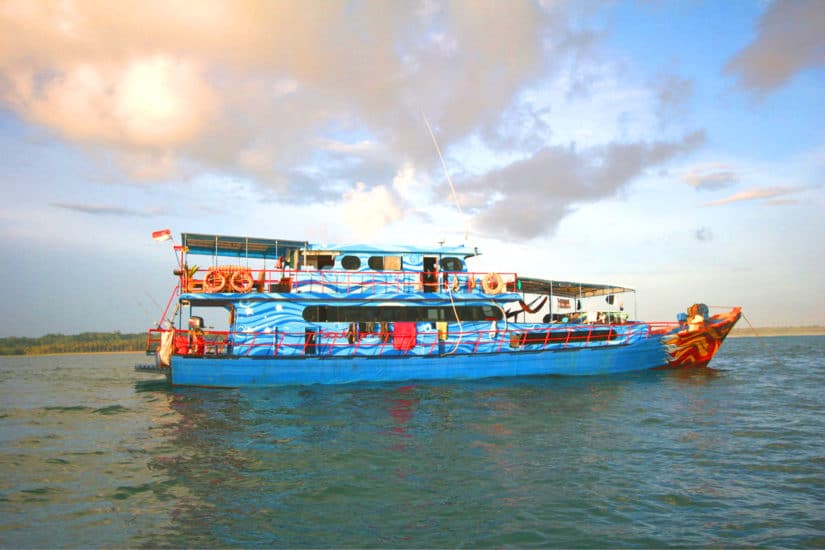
(711, 176)
(305, 99)
(790, 38)
(214, 86)
(405, 182)
(367, 212)
(529, 198)
(364, 147)
(162, 102)
(152, 102)
(756, 194)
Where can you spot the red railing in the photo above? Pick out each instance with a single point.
(239, 279)
(322, 342)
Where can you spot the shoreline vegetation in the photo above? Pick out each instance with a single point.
(86, 342)
(748, 332)
(116, 342)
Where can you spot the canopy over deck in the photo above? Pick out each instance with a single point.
(249, 247)
(241, 247)
(568, 289)
(463, 251)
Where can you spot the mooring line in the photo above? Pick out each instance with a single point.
(762, 341)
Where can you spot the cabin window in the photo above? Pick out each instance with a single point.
(385, 263)
(351, 262)
(320, 261)
(381, 314)
(451, 264)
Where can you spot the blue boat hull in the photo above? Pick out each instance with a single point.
(270, 371)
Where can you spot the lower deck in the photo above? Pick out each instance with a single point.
(400, 339)
(520, 350)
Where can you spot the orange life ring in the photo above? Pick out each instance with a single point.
(241, 281)
(214, 281)
(492, 283)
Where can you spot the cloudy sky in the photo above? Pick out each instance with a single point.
(674, 147)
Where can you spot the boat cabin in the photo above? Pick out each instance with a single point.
(279, 297)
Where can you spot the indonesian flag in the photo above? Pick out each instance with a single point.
(162, 235)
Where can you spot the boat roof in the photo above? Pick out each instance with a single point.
(568, 289)
(463, 251)
(253, 247)
(225, 245)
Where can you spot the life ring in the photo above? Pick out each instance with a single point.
(241, 281)
(492, 283)
(214, 281)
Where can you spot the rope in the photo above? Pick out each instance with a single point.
(457, 318)
(762, 342)
(449, 179)
(755, 333)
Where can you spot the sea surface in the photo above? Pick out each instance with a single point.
(93, 454)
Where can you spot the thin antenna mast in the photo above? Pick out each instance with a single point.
(449, 180)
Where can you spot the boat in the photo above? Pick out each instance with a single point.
(288, 312)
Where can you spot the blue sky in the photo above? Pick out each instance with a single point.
(672, 147)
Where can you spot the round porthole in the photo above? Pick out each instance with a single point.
(451, 264)
(351, 262)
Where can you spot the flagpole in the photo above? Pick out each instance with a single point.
(175, 254)
(166, 235)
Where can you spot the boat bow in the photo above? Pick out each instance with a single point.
(694, 344)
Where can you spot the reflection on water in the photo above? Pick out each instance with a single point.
(344, 462)
(96, 455)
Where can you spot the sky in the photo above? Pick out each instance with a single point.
(673, 147)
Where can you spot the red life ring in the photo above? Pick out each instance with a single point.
(241, 281)
(492, 283)
(214, 281)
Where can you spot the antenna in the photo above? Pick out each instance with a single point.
(449, 180)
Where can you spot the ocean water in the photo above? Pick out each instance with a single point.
(94, 454)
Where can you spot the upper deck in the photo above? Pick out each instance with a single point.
(244, 264)
(246, 248)
(236, 267)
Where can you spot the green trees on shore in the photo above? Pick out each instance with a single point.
(86, 342)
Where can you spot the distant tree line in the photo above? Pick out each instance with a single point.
(87, 342)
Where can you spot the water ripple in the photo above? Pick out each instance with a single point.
(732, 456)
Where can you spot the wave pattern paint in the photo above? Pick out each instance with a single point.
(336, 282)
(697, 348)
(277, 327)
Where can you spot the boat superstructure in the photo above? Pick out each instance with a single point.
(270, 311)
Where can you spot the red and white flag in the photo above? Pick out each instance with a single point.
(162, 235)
